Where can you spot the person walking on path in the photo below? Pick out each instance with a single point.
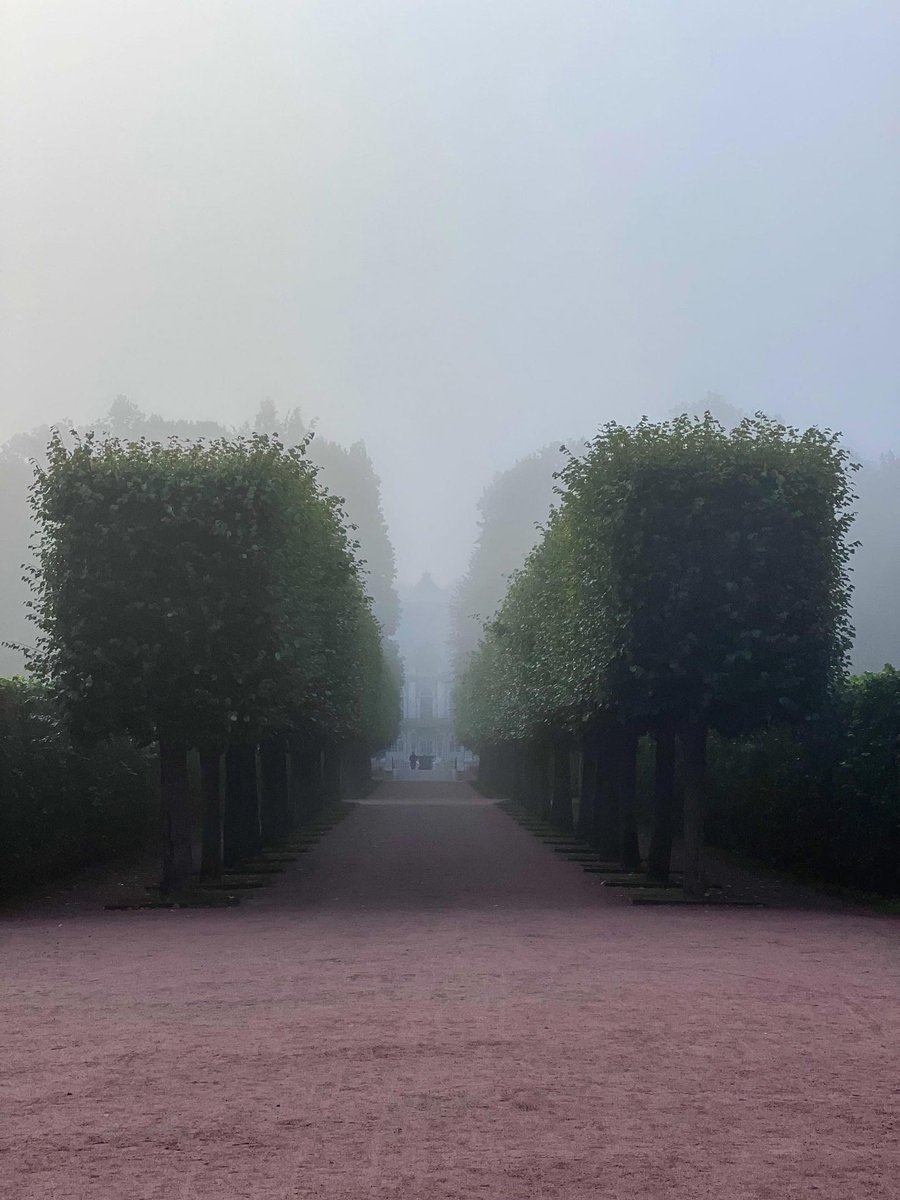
(413, 761)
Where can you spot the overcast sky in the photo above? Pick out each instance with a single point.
(456, 229)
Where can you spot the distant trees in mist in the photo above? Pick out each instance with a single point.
(512, 508)
(348, 473)
(876, 566)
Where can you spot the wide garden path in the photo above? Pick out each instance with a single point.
(432, 1004)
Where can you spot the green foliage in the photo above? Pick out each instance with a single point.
(208, 589)
(345, 473)
(712, 569)
(825, 801)
(64, 805)
(867, 826)
(687, 572)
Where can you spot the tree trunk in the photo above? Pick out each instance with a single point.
(274, 801)
(520, 789)
(242, 834)
(348, 769)
(561, 800)
(305, 780)
(356, 768)
(605, 836)
(659, 860)
(533, 779)
(497, 781)
(629, 848)
(332, 784)
(176, 815)
(211, 788)
(507, 769)
(693, 742)
(543, 782)
(590, 748)
(486, 769)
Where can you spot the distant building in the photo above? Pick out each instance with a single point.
(426, 726)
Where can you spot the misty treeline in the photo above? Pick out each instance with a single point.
(345, 472)
(693, 582)
(511, 509)
(516, 504)
(202, 595)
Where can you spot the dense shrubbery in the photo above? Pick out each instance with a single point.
(65, 805)
(825, 801)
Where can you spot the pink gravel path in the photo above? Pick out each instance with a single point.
(432, 1005)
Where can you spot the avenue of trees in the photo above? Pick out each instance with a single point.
(208, 596)
(690, 581)
(673, 651)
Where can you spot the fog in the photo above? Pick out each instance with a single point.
(455, 230)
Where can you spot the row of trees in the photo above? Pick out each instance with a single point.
(690, 579)
(346, 471)
(518, 501)
(208, 595)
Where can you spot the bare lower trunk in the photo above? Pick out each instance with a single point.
(539, 765)
(176, 815)
(561, 800)
(629, 849)
(332, 783)
(274, 803)
(520, 790)
(589, 767)
(211, 788)
(305, 780)
(660, 857)
(693, 741)
(487, 770)
(242, 835)
(607, 787)
(506, 766)
(356, 769)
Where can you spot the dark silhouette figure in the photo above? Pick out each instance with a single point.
(413, 762)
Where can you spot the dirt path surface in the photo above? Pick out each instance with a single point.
(432, 1004)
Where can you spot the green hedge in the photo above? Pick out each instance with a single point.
(824, 800)
(62, 805)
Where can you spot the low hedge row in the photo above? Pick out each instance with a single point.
(63, 805)
(824, 800)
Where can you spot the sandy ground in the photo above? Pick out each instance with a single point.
(433, 1004)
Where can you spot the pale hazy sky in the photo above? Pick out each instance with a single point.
(456, 229)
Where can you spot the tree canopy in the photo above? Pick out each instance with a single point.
(206, 587)
(686, 571)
